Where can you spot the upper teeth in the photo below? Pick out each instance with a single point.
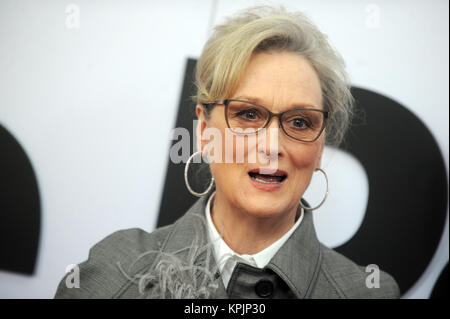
(264, 181)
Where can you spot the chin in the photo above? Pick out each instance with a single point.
(264, 206)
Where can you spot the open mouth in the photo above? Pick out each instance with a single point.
(274, 178)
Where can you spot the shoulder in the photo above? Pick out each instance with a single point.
(350, 280)
(127, 243)
(113, 261)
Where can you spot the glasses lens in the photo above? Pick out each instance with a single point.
(304, 125)
(245, 117)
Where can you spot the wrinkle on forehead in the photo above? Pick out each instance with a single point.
(280, 81)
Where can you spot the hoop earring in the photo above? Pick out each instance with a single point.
(186, 169)
(326, 194)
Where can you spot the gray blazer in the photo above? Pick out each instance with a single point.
(176, 261)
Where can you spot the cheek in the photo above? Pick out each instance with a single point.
(233, 168)
(304, 160)
(225, 167)
(305, 156)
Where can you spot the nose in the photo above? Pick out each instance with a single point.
(268, 141)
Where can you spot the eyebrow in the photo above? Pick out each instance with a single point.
(257, 100)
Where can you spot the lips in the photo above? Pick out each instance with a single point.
(275, 178)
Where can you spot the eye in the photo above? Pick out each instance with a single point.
(300, 123)
(249, 114)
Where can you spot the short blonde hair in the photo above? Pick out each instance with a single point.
(262, 29)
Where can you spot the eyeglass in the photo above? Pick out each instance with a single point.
(244, 117)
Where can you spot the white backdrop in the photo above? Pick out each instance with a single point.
(92, 102)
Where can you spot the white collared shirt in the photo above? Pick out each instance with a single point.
(227, 258)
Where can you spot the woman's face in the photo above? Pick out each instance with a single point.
(279, 81)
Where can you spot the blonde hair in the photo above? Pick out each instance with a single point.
(262, 29)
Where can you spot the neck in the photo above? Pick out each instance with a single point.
(244, 232)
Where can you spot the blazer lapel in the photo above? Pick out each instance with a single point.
(298, 261)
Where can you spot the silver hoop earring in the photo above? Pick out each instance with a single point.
(186, 169)
(326, 194)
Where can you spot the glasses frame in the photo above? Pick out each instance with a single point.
(271, 115)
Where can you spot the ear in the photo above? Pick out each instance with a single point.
(319, 156)
(201, 126)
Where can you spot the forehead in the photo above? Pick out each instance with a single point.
(280, 80)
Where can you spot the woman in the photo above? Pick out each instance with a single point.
(270, 80)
